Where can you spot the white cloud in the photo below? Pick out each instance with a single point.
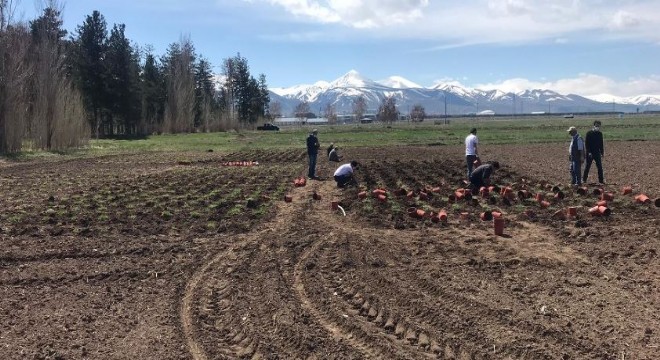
(466, 22)
(583, 84)
(355, 13)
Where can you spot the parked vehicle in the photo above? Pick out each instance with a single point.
(268, 126)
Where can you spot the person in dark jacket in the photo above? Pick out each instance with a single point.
(481, 175)
(576, 156)
(593, 142)
(334, 156)
(312, 152)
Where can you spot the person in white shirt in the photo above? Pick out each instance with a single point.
(576, 156)
(344, 174)
(471, 151)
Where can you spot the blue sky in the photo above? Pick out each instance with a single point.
(588, 47)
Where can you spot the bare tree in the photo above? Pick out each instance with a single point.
(15, 72)
(180, 106)
(301, 111)
(57, 117)
(387, 111)
(359, 107)
(275, 110)
(418, 113)
(330, 113)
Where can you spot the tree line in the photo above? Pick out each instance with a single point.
(58, 90)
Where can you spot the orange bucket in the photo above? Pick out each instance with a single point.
(600, 211)
(539, 197)
(544, 204)
(362, 195)
(572, 211)
(642, 199)
(498, 225)
(608, 196)
(442, 215)
(420, 213)
(486, 216)
(334, 205)
(602, 203)
(627, 190)
(582, 191)
(382, 198)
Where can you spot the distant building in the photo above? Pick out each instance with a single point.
(486, 113)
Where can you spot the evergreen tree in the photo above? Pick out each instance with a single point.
(122, 84)
(89, 51)
(204, 94)
(153, 95)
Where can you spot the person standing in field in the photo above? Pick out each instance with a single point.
(576, 156)
(344, 174)
(313, 147)
(471, 151)
(593, 142)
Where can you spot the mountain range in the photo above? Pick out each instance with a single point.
(446, 98)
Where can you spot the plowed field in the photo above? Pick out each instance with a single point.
(195, 255)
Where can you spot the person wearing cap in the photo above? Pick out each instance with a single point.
(312, 152)
(481, 175)
(593, 143)
(333, 155)
(576, 155)
(344, 174)
(471, 151)
(332, 146)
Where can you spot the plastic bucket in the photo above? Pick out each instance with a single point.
(496, 214)
(316, 196)
(544, 204)
(599, 211)
(572, 211)
(420, 213)
(642, 199)
(559, 195)
(539, 197)
(498, 226)
(382, 198)
(597, 191)
(423, 195)
(288, 198)
(582, 191)
(362, 195)
(627, 190)
(334, 205)
(442, 215)
(486, 216)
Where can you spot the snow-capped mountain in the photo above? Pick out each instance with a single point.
(449, 98)
(398, 82)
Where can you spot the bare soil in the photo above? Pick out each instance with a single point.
(179, 256)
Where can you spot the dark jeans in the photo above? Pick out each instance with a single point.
(476, 182)
(312, 165)
(575, 169)
(344, 180)
(470, 163)
(599, 166)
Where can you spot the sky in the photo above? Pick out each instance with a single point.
(586, 47)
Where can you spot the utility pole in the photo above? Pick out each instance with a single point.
(445, 96)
